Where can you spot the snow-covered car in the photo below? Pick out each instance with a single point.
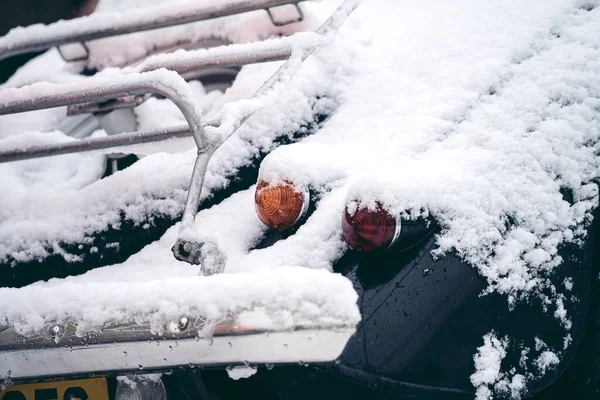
(396, 194)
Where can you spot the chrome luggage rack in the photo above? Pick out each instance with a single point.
(60, 352)
(161, 77)
(99, 26)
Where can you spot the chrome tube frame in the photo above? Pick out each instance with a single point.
(106, 89)
(208, 136)
(184, 62)
(99, 26)
(233, 55)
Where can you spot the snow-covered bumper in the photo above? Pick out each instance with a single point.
(289, 315)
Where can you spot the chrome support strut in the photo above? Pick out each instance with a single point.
(208, 135)
(99, 26)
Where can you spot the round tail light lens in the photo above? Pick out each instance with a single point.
(370, 230)
(280, 207)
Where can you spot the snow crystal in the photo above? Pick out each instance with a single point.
(567, 341)
(539, 344)
(237, 373)
(568, 282)
(561, 313)
(515, 387)
(132, 380)
(488, 362)
(524, 357)
(546, 360)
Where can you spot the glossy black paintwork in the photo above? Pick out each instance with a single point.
(423, 319)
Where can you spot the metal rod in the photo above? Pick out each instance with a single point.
(325, 32)
(226, 61)
(195, 190)
(98, 26)
(83, 145)
(271, 50)
(166, 83)
(234, 55)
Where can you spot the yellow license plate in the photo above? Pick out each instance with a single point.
(84, 389)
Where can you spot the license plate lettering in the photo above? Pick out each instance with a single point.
(87, 389)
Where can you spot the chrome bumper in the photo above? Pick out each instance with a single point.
(233, 347)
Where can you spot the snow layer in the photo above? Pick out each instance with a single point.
(477, 115)
(165, 292)
(289, 296)
(66, 173)
(494, 377)
(242, 28)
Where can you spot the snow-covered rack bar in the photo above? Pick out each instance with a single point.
(99, 26)
(63, 345)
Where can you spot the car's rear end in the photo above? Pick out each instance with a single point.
(109, 337)
(408, 206)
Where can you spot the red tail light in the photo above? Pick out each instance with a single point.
(370, 230)
(280, 207)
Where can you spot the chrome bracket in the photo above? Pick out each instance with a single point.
(105, 106)
(84, 57)
(299, 18)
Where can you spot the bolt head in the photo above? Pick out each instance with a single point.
(183, 323)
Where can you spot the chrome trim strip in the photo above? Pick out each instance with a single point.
(283, 347)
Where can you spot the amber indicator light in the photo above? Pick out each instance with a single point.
(281, 206)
